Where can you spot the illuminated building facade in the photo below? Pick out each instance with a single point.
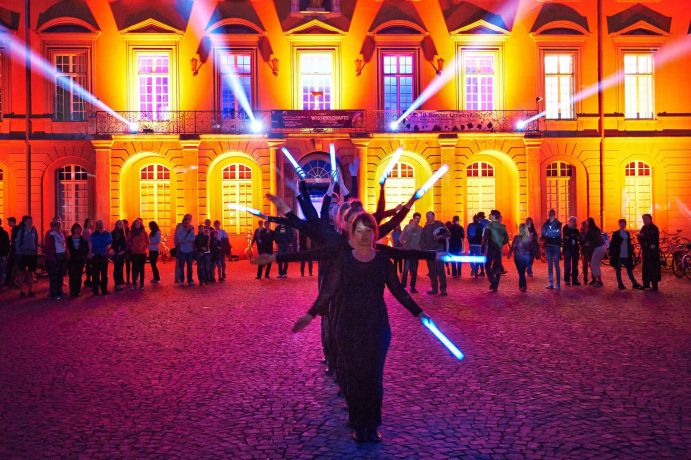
(175, 81)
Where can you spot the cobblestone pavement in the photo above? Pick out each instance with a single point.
(214, 372)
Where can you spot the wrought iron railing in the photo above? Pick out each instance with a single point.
(363, 121)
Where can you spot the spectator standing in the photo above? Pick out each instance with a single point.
(456, 245)
(594, 241)
(522, 250)
(586, 251)
(305, 244)
(649, 238)
(434, 238)
(137, 245)
(55, 247)
(203, 255)
(572, 243)
(10, 271)
(411, 238)
(87, 230)
(284, 238)
(184, 239)
(128, 259)
(100, 246)
(263, 237)
(475, 245)
(78, 249)
(224, 250)
(26, 251)
(4, 253)
(118, 249)
(154, 246)
(551, 234)
(396, 243)
(621, 255)
(536, 244)
(494, 238)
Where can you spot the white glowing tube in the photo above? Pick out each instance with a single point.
(295, 164)
(239, 207)
(332, 154)
(392, 164)
(431, 181)
(469, 259)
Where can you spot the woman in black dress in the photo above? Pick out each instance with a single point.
(363, 333)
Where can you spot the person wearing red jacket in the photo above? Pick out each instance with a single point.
(137, 245)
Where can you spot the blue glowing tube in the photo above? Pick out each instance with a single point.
(295, 164)
(431, 181)
(469, 259)
(332, 154)
(429, 324)
(392, 164)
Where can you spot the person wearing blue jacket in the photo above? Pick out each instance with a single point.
(551, 234)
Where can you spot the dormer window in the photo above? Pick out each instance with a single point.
(315, 6)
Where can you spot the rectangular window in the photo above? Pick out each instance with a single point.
(398, 72)
(638, 85)
(153, 96)
(479, 80)
(70, 81)
(72, 195)
(559, 85)
(316, 80)
(235, 81)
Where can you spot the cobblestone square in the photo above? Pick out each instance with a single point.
(215, 373)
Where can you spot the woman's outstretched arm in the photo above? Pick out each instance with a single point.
(401, 294)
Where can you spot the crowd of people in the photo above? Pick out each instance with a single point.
(85, 252)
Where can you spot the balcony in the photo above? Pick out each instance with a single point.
(279, 122)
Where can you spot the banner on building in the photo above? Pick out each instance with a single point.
(317, 119)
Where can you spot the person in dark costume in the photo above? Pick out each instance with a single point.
(649, 238)
(78, 248)
(362, 332)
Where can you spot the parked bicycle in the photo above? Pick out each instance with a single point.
(668, 244)
(681, 261)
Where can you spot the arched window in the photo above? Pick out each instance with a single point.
(72, 195)
(400, 186)
(638, 192)
(480, 189)
(237, 189)
(318, 173)
(560, 190)
(317, 169)
(154, 195)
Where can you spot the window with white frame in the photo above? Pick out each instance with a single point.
(479, 79)
(559, 85)
(316, 79)
(153, 85)
(560, 189)
(235, 81)
(480, 189)
(637, 196)
(236, 188)
(72, 194)
(154, 195)
(71, 79)
(398, 73)
(638, 85)
(400, 185)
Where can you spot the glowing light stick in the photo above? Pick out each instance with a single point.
(392, 164)
(429, 324)
(431, 181)
(332, 154)
(295, 164)
(469, 259)
(239, 207)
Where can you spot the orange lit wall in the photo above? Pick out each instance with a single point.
(116, 28)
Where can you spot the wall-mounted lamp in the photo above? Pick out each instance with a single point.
(273, 63)
(194, 62)
(359, 65)
(440, 66)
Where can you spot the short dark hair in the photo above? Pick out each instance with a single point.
(622, 221)
(417, 214)
(455, 219)
(367, 220)
(75, 226)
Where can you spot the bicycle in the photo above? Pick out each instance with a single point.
(669, 242)
(681, 261)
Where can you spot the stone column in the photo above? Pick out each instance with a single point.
(274, 152)
(360, 147)
(451, 199)
(187, 199)
(532, 155)
(102, 182)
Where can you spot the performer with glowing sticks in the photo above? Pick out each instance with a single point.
(252, 211)
(334, 167)
(431, 181)
(363, 334)
(392, 164)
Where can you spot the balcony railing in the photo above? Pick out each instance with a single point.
(328, 121)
